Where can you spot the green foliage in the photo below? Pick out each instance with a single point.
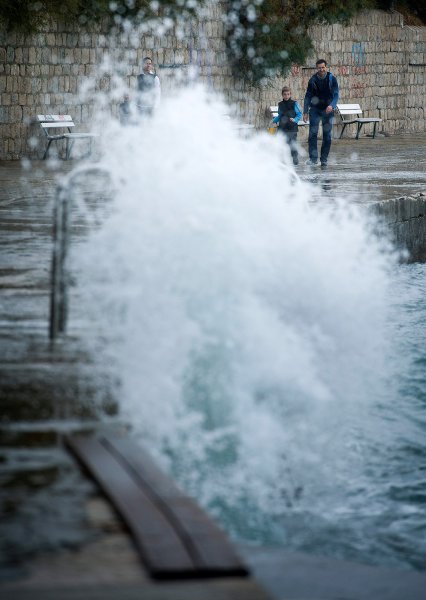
(266, 38)
(414, 11)
(29, 15)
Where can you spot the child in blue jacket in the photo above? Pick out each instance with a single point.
(289, 114)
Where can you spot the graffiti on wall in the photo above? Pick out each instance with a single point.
(358, 86)
(358, 58)
(358, 54)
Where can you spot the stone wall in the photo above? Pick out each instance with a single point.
(405, 218)
(380, 63)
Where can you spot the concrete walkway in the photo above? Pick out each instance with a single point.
(297, 576)
(365, 170)
(369, 170)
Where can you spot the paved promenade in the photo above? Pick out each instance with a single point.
(368, 170)
(59, 539)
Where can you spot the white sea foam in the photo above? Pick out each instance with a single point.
(244, 321)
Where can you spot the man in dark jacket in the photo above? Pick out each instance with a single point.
(320, 102)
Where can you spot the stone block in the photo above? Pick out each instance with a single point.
(77, 53)
(85, 55)
(10, 84)
(32, 58)
(84, 40)
(10, 54)
(57, 99)
(149, 42)
(72, 40)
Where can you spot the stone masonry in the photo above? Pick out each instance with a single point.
(379, 62)
(406, 218)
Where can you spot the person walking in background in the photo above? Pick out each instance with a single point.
(149, 88)
(289, 114)
(124, 111)
(320, 102)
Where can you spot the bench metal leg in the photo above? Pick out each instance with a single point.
(358, 130)
(374, 130)
(89, 152)
(47, 149)
(68, 148)
(343, 129)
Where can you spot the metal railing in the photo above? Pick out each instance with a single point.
(59, 297)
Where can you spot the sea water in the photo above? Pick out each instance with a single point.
(268, 348)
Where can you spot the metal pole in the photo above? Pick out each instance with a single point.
(61, 236)
(58, 310)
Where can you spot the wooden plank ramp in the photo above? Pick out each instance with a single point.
(176, 539)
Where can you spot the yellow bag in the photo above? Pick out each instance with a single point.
(272, 130)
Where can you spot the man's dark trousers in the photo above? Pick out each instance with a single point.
(316, 117)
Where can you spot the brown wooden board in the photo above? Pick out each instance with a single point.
(161, 549)
(208, 545)
(175, 537)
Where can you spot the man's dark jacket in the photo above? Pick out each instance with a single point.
(321, 92)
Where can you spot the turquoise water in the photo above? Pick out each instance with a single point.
(381, 518)
(368, 504)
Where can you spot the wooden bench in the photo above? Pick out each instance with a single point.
(273, 110)
(176, 539)
(51, 124)
(351, 113)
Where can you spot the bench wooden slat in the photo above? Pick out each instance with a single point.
(54, 118)
(355, 107)
(79, 135)
(161, 549)
(57, 124)
(210, 548)
(344, 111)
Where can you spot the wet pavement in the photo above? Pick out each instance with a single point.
(46, 391)
(369, 170)
(47, 507)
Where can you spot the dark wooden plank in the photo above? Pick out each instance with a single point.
(161, 549)
(211, 550)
